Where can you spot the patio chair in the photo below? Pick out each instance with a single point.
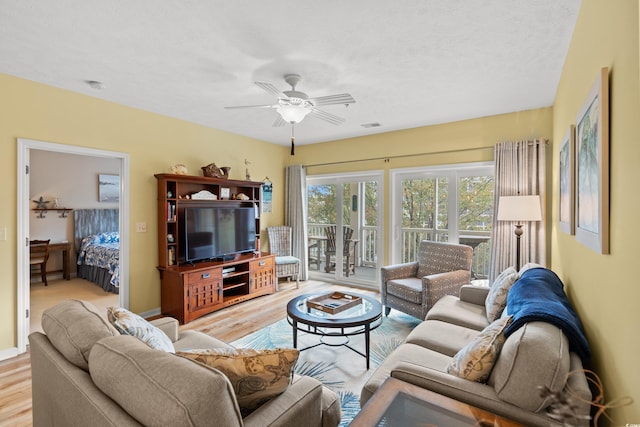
(348, 250)
(414, 287)
(280, 244)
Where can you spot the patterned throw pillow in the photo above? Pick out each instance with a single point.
(497, 298)
(128, 323)
(256, 376)
(475, 361)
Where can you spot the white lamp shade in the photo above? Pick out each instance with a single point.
(519, 208)
(293, 113)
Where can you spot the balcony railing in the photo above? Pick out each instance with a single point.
(411, 237)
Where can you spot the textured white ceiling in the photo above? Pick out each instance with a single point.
(407, 63)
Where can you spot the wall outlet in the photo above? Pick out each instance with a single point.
(3, 233)
(141, 227)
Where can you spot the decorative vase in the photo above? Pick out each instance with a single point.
(225, 170)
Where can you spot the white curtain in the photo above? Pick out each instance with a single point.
(295, 214)
(519, 171)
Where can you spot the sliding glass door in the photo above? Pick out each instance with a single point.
(345, 223)
(443, 204)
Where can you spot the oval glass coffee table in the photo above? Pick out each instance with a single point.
(316, 314)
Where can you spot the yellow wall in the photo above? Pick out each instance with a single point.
(604, 288)
(153, 142)
(458, 142)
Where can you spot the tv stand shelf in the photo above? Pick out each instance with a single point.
(190, 290)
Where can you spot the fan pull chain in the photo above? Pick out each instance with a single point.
(293, 139)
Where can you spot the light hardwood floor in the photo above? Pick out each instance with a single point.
(228, 325)
(43, 297)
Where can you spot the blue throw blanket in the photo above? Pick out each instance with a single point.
(538, 295)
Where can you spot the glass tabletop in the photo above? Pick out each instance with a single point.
(407, 410)
(362, 311)
(364, 307)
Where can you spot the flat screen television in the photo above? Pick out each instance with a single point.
(217, 232)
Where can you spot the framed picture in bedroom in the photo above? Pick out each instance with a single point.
(567, 184)
(592, 167)
(108, 187)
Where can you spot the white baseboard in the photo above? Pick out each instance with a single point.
(8, 353)
(150, 313)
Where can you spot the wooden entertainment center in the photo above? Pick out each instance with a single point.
(190, 290)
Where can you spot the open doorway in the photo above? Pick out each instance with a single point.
(28, 151)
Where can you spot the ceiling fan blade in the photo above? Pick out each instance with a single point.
(271, 89)
(327, 117)
(342, 98)
(251, 106)
(279, 122)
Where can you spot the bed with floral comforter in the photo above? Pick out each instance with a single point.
(99, 258)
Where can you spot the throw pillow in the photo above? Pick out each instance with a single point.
(256, 376)
(497, 298)
(475, 361)
(73, 327)
(128, 323)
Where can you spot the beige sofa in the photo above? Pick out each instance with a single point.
(143, 386)
(536, 354)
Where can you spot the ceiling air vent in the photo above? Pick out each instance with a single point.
(371, 125)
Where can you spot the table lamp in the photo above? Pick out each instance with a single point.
(519, 209)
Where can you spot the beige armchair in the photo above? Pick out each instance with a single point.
(414, 287)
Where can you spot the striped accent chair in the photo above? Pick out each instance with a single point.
(414, 287)
(280, 245)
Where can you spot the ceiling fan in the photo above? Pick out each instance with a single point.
(293, 106)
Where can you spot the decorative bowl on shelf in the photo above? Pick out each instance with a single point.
(212, 171)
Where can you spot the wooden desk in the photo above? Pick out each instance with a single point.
(65, 248)
(398, 403)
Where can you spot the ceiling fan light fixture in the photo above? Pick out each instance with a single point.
(293, 113)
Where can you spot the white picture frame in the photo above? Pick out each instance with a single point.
(225, 193)
(592, 167)
(108, 187)
(567, 183)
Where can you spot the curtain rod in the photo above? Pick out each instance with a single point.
(387, 158)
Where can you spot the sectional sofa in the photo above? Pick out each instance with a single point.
(538, 358)
(85, 373)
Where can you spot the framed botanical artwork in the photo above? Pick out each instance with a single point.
(592, 167)
(566, 207)
(108, 187)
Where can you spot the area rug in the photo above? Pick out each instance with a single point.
(339, 368)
